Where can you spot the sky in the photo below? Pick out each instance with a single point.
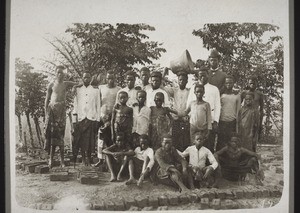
(34, 20)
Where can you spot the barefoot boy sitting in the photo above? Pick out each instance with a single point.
(117, 157)
(237, 159)
(198, 156)
(142, 161)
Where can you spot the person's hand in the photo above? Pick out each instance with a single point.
(215, 126)
(184, 171)
(208, 171)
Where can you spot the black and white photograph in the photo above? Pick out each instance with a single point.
(131, 105)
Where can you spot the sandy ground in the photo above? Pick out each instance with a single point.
(37, 188)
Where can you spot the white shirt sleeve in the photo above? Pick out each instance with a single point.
(212, 159)
(98, 102)
(185, 153)
(190, 97)
(217, 110)
(151, 158)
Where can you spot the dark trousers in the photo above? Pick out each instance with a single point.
(225, 131)
(210, 142)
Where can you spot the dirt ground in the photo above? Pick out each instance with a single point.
(37, 188)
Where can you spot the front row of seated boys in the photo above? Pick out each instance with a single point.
(171, 167)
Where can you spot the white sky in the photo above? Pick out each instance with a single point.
(33, 20)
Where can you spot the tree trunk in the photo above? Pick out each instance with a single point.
(41, 135)
(36, 123)
(25, 143)
(30, 129)
(20, 128)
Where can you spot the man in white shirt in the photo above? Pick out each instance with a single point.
(181, 126)
(130, 89)
(142, 161)
(198, 155)
(87, 111)
(212, 96)
(156, 79)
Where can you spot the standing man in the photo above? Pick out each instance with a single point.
(55, 115)
(216, 76)
(212, 96)
(144, 76)
(130, 89)
(108, 95)
(87, 110)
(181, 126)
(258, 101)
(156, 79)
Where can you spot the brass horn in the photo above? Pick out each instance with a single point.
(183, 63)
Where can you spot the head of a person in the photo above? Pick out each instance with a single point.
(234, 140)
(144, 141)
(86, 78)
(123, 97)
(141, 96)
(199, 91)
(252, 83)
(159, 99)
(249, 96)
(199, 140)
(229, 81)
(130, 79)
(156, 79)
(120, 139)
(214, 58)
(182, 79)
(110, 79)
(145, 75)
(166, 143)
(59, 73)
(203, 75)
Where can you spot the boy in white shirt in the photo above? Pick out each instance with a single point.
(198, 155)
(142, 161)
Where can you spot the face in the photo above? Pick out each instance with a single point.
(123, 98)
(141, 97)
(130, 80)
(234, 142)
(143, 143)
(110, 79)
(202, 77)
(248, 100)
(86, 78)
(229, 83)
(60, 74)
(156, 82)
(252, 84)
(145, 76)
(182, 81)
(167, 143)
(199, 92)
(213, 62)
(199, 140)
(119, 141)
(158, 101)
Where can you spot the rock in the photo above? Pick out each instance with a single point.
(133, 208)
(163, 200)
(148, 208)
(109, 205)
(193, 198)
(216, 204)
(173, 200)
(184, 199)
(204, 203)
(162, 208)
(141, 201)
(119, 205)
(153, 201)
(129, 201)
(279, 170)
(99, 205)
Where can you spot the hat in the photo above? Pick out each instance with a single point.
(214, 54)
(156, 74)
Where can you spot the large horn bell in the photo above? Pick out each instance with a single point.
(183, 63)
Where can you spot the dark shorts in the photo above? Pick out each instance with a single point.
(138, 166)
(116, 164)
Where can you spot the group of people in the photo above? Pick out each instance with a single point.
(171, 134)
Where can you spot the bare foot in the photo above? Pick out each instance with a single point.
(140, 183)
(119, 178)
(131, 181)
(113, 179)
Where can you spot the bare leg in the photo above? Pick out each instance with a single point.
(83, 158)
(62, 163)
(176, 177)
(110, 167)
(145, 171)
(122, 168)
(52, 150)
(131, 179)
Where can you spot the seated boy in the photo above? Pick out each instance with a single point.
(198, 156)
(239, 160)
(143, 161)
(116, 157)
(172, 166)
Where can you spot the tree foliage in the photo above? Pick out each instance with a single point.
(249, 49)
(97, 48)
